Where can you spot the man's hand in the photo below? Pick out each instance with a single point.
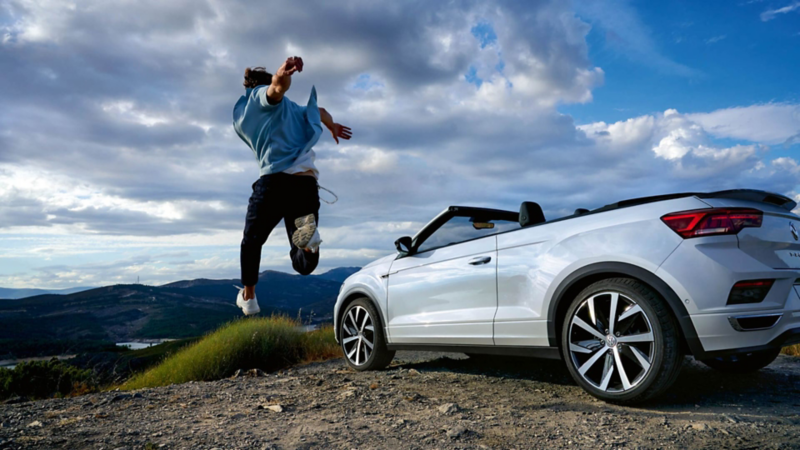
(340, 131)
(283, 79)
(293, 64)
(337, 130)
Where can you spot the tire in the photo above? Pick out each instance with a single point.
(356, 338)
(743, 362)
(637, 360)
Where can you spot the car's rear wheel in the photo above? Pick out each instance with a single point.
(620, 341)
(743, 362)
(362, 338)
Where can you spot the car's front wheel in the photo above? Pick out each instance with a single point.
(620, 341)
(743, 362)
(362, 338)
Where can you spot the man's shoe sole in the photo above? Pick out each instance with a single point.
(305, 231)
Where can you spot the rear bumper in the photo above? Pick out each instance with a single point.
(785, 339)
(717, 333)
(702, 273)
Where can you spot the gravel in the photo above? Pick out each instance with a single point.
(424, 400)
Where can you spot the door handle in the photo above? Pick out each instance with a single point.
(480, 260)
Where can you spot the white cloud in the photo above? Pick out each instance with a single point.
(127, 110)
(36, 21)
(362, 159)
(138, 156)
(630, 134)
(686, 145)
(715, 39)
(770, 14)
(626, 34)
(770, 123)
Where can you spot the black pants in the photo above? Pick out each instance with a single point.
(275, 197)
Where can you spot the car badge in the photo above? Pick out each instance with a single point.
(794, 231)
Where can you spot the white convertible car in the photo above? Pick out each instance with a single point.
(620, 293)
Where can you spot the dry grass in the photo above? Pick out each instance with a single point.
(269, 344)
(793, 350)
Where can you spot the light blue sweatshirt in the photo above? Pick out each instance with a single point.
(278, 134)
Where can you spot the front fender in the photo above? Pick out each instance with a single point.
(370, 283)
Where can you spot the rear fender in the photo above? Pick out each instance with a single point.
(583, 277)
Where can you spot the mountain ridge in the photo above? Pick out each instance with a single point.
(15, 294)
(185, 308)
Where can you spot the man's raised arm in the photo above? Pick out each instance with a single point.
(282, 79)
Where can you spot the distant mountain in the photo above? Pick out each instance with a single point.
(175, 310)
(10, 293)
(339, 274)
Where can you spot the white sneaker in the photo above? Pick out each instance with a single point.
(306, 236)
(249, 307)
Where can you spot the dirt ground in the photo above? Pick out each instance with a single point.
(424, 400)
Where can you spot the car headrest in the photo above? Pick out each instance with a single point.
(530, 213)
(581, 211)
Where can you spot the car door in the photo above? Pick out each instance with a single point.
(446, 292)
(524, 273)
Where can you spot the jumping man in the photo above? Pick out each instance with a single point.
(281, 133)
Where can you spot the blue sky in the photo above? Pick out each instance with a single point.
(118, 159)
(732, 57)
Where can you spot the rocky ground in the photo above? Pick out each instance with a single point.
(425, 400)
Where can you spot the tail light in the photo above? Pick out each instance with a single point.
(713, 221)
(750, 291)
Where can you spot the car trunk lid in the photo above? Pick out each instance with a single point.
(777, 242)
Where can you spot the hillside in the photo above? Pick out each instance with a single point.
(175, 310)
(339, 274)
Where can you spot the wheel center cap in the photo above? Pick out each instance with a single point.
(611, 340)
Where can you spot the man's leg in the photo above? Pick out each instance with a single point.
(305, 202)
(263, 214)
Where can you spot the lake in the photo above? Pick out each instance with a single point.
(138, 345)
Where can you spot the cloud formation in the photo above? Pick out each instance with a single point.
(118, 159)
(626, 34)
(770, 123)
(770, 14)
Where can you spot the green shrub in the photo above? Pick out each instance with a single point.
(44, 379)
(115, 367)
(269, 344)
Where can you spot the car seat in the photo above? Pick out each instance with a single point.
(530, 213)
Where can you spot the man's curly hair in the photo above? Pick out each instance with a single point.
(256, 76)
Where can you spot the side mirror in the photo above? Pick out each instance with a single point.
(403, 245)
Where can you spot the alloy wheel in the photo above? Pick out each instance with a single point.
(358, 335)
(611, 342)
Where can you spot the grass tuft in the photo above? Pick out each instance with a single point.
(792, 350)
(266, 343)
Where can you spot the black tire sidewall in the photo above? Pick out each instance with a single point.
(380, 342)
(658, 339)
